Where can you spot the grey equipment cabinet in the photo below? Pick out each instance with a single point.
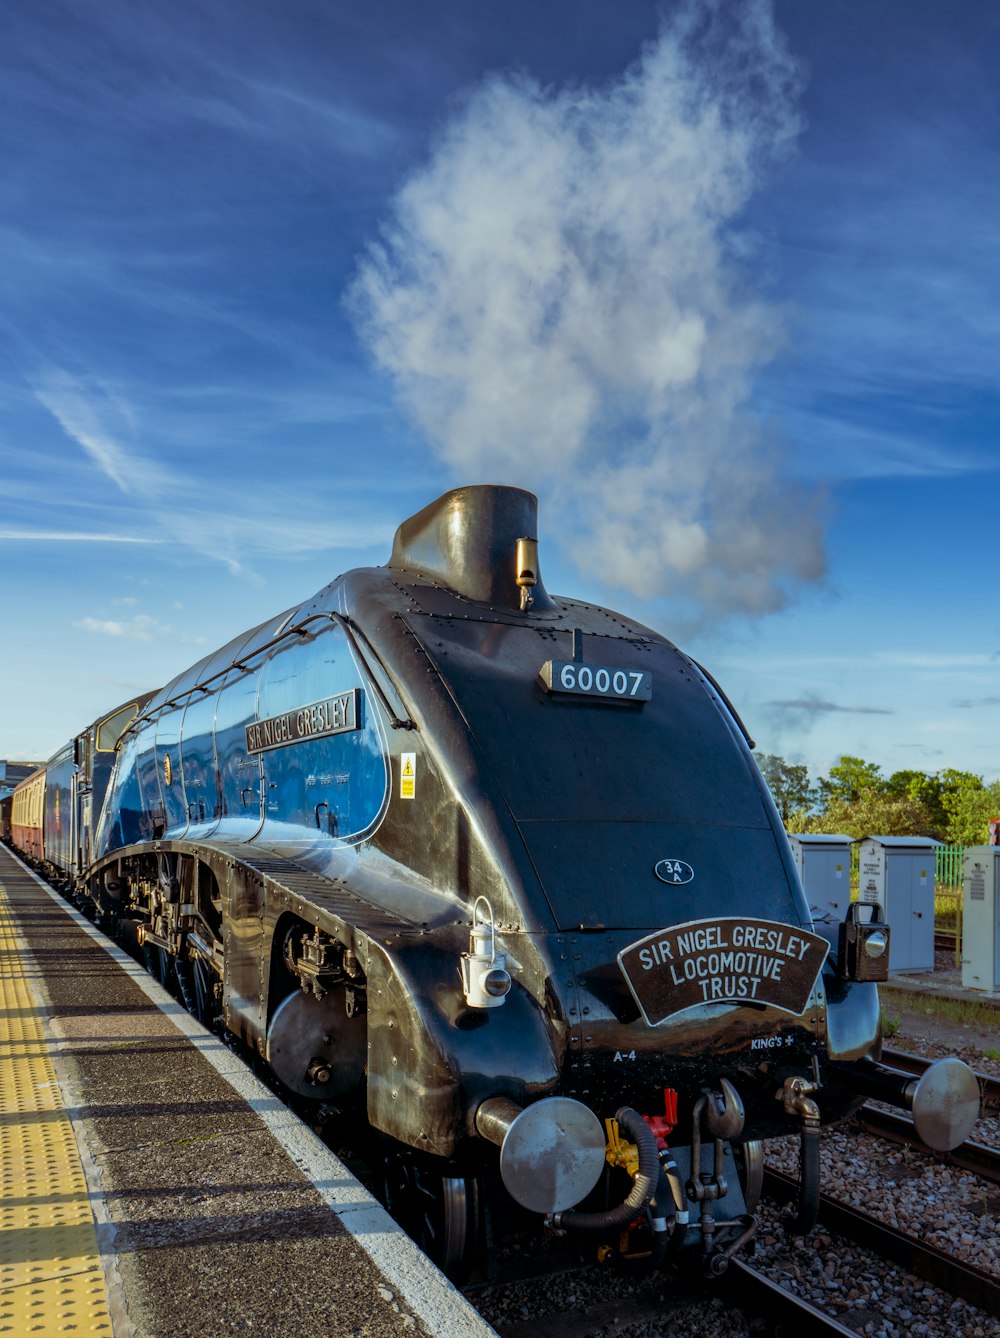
(898, 873)
(981, 918)
(824, 864)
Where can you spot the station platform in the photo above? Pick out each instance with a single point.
(944, 982)
(151, 1187)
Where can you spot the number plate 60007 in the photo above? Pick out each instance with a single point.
(597, 680)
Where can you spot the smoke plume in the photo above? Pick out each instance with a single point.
(564, 295)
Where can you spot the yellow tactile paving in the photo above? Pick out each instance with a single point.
(50, 1272)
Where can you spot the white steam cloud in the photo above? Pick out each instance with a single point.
(562, 297)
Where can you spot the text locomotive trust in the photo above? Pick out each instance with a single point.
(705, 956)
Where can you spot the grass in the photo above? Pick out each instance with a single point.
(962, 1012)
(947, 909)
(890, 1025)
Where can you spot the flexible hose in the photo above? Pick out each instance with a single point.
(614, 1219)
(808, 1209)
(668, 1169)
(632, 1265)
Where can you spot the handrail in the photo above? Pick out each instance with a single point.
(243, 665)
(353, 633)
(725, 701)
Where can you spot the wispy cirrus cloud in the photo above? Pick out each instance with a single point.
(843, 449)
(943, 660)
(240, 515)
(96, 417)
(796, 717)
(280, 114)
(816, 706)
(140, 627)
(275, 96)
(888, 660)
(947, 725)
(74, 537)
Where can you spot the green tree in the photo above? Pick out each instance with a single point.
(872, 814)
(800, 820)
(915, 784)
(850, 778)
(959, 780)
(927, 790)
(969, 808)
(789, 783)
(935, 792)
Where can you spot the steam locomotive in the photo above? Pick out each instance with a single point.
(496, 873)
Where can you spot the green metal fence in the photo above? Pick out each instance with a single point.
(948, 864)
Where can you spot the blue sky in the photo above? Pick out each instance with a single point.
(720, 283)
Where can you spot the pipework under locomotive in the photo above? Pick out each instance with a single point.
(497, 872)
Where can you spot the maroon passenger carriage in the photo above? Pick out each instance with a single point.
(27, 811)
(54, 812)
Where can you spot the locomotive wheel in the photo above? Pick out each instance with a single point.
(440, 1212)
(750, 1168)
(159, 963)
(197, 985)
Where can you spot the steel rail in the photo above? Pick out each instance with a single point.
(969, 1156)
(916, 1064)
(750, 1290)
(959, 1279)
(744, 1289)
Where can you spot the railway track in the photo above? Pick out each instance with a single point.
(757, 1295)
(671, 1302)
(951, 1275)
(969, 1156)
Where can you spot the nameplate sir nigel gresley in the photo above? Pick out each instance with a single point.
(333, 715)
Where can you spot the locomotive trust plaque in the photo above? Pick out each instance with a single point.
(723, 961)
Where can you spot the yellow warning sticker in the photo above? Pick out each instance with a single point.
(408, 776)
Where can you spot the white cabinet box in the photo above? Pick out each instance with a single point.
(981, 918)
(898, 873)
